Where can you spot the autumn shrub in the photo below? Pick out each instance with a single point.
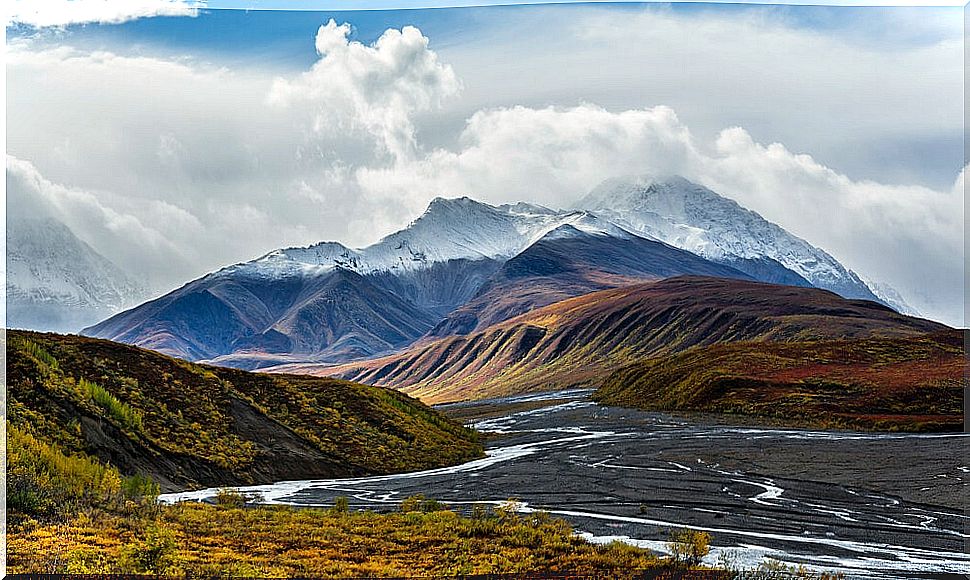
(419, 503)
(155, 553)
(770, 569)
(229, 498)
(689, 546)
(43, 481)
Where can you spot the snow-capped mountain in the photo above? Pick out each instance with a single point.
(462, 265)
(57, 282)
(329, 302)
(692, 217)
(450, 229)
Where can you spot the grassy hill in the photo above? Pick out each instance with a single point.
(187, 425)
(581, 340)
(893, 383)
(92, 422)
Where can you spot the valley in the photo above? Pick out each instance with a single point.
(658, 358)
(871, 505)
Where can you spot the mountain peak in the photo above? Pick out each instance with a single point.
(524, 207)
(453, 203)
(671, 196)
(690, 216)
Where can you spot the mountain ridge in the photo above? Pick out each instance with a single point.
(433, 277)
(693, 217)
(577, 340)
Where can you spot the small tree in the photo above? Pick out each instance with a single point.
(340, 505)
(508, 510)
(689, 546)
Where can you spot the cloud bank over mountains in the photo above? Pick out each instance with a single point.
(171, 168)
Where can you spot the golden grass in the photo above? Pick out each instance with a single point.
(280, 541)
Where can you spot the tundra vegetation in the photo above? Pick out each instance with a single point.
(78, 405)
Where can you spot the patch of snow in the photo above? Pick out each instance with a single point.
(694, 218)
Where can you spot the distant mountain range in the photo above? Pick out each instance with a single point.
(464, 266)
(57, 282)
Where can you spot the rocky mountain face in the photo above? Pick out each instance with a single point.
(55, 281)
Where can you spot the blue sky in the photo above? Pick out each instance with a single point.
(844, 125)
(279, 36)
(281, 41)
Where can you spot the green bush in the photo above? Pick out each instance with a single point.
(155, 554)
(340, 505)
(126, 417)
(38, 352)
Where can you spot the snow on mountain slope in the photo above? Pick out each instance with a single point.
(891, 296)
(450, 229)
(57, 282)
(694, 218)
(471, 262)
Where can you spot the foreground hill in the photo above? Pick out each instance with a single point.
(582, 339)
(184, 424)
(908, 383)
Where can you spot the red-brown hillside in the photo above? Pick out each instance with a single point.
(909, 383)
(582, 339)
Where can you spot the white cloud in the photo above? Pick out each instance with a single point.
(549, 155)
(61, 13)
(376, 88)
(202, 166)
(123, 237)
(888, 86)
(261, 162)
(910, 236)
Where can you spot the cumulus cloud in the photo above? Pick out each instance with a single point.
(549, 155)
(375, 88)
(61, 13)
(887, 83)
(236, 151)
(201, 166)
